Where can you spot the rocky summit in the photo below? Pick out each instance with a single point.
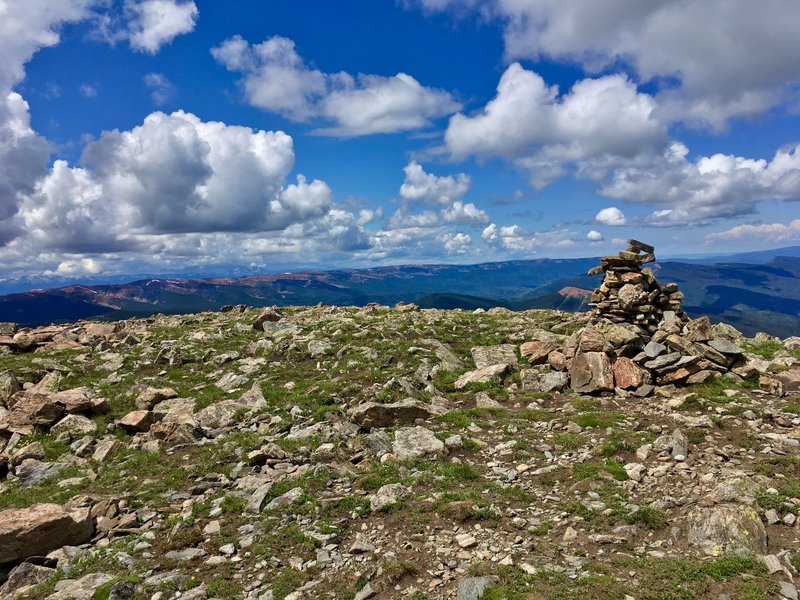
(392, 452)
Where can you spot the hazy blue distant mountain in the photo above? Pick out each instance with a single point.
(752, 296)
(755, 258)
(386, 285)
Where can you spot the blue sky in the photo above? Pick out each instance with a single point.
(180, 136)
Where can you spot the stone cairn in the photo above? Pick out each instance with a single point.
(638, 338)
(632, 294)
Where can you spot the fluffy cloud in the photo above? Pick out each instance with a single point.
(606, 131)
(154, 23)
(23, 161)
(456, 243)
(275, 78)
(147, 25)
(419, 186)
(175, 184)
(176, 173)
(611, 216)
(709, 188)
(458, 213)
(728, 57)
(600, 123)
(445, 193)
(73, 268)
(594, 236)
(489, 234)
(67, 213)
(766, 232)
(513, 238)
(24, 29)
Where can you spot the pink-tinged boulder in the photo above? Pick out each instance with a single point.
(628, 375)
(537, 351)
(101, 330)
(137, 421)
(151, 396)
(591, 372)
(76, 400)
(558, 360)
(700, 377)
(41, 528)
(32, 410)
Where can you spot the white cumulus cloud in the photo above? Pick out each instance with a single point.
(726, 57)
(711, 187)
(765, 232)
(25, 28)
(594, 236)
(456, 243)
(419, 186)
(154, 23)
(277, 79)
(173, 176)
(74, 268)
(445, 193)
(611, 216)
(598, 124)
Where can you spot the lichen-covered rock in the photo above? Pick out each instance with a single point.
(485, 356)
(32, 410)
(9, 385)
(727, 529)
(271, 314)
(387, 495)
(699, 330)
(150, 396)
(542, 379)
(75, 425)
(483, 375)
(23, 576)
(416, 442)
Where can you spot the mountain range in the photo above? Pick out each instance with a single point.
(754, 291)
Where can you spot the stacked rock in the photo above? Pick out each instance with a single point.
(638, 338)
(632, 294)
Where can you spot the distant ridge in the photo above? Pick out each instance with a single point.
(756, 257)
(386, 285)
(753, 297)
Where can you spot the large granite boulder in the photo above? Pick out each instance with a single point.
(591, 372)
(37, 530)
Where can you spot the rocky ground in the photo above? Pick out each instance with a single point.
(387, 453)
